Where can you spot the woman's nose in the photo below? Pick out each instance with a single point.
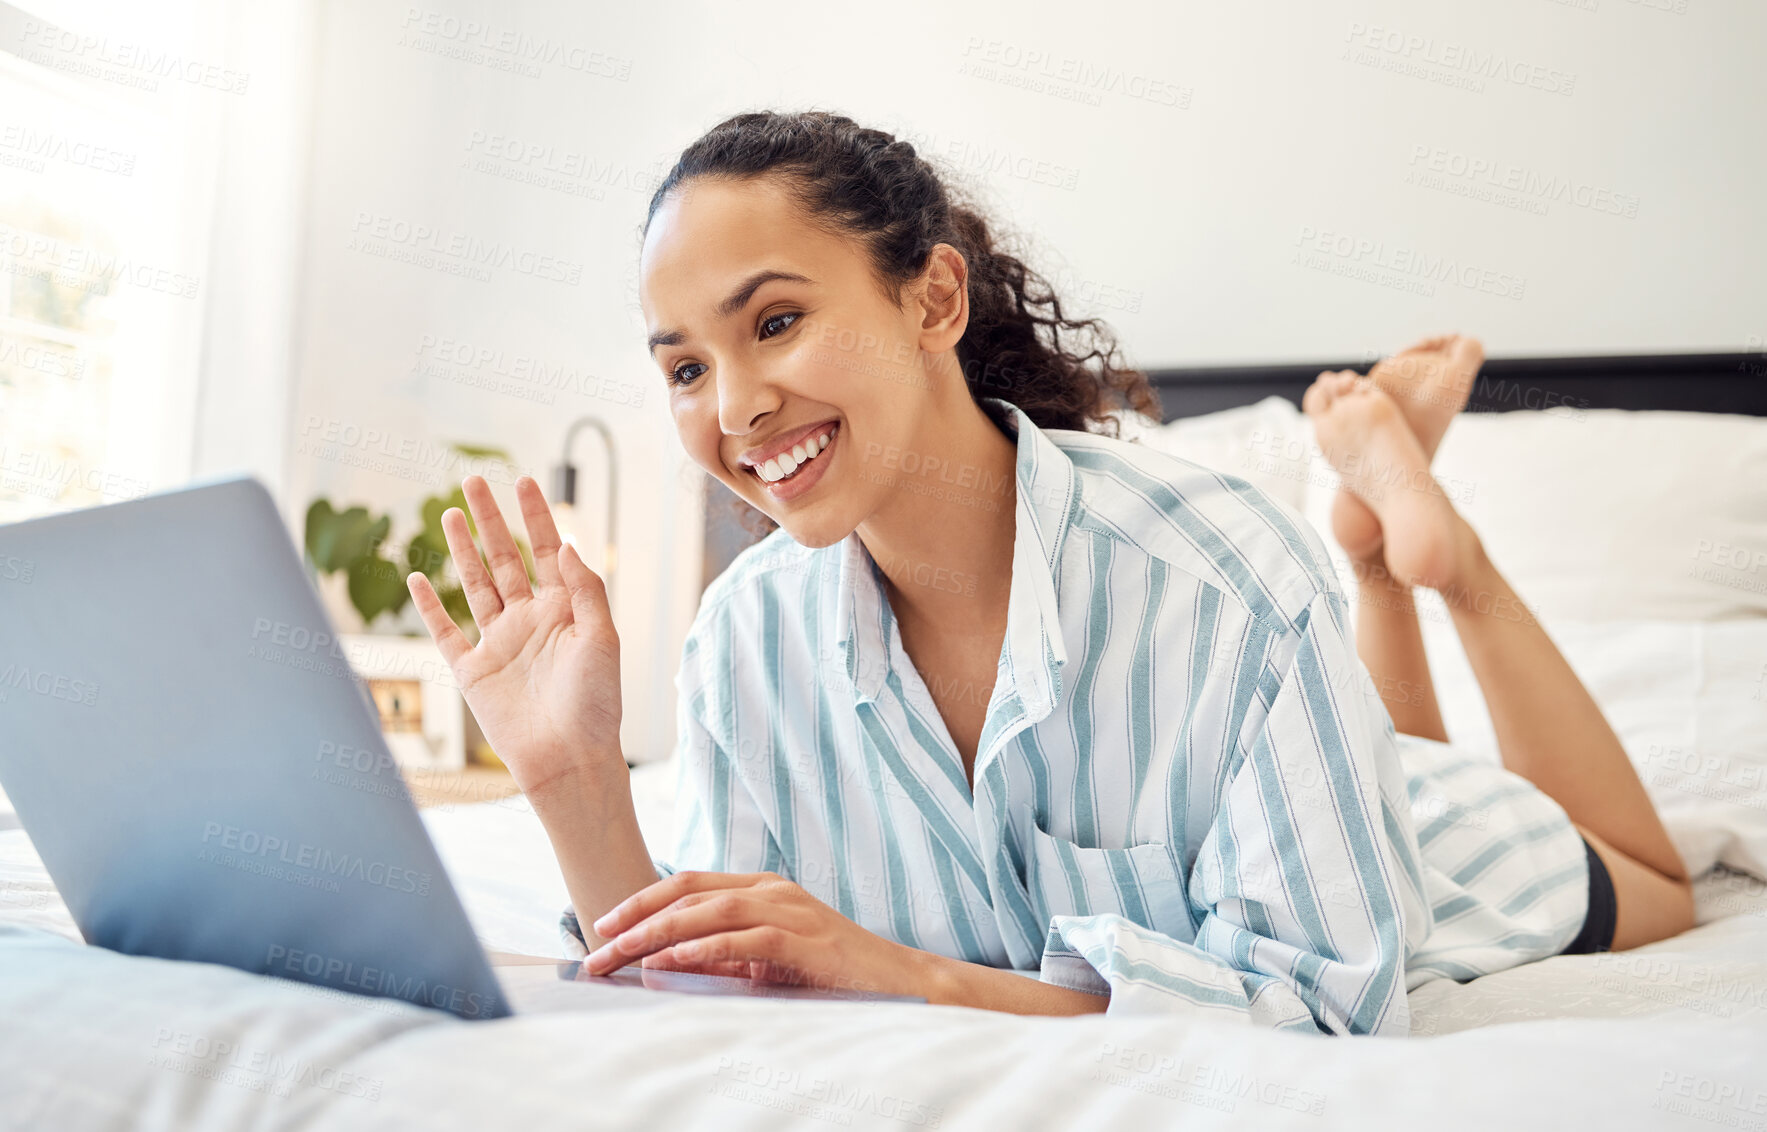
(744, 398)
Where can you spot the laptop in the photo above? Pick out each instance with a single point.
(204, 775)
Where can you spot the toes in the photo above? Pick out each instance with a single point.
(1320, 394)
(1331, 385)
(1467, 351)
(1430, 345)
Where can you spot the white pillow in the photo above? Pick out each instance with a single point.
(1688, 700)
(1640, 540)
(1269, 444)
(1634, 536)
(1606, 514)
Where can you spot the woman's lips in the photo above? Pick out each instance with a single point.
(805, 474)
(801, 450)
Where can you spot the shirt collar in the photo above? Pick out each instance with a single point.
(1033, 651)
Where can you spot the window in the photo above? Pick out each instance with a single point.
(107, 159)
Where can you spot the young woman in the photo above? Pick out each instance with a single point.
(1005, 696)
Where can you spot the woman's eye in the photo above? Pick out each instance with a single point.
(771, 326)
(778, 323)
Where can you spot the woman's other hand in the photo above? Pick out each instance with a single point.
(758, 926)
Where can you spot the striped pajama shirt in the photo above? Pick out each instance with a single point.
(1188, 793)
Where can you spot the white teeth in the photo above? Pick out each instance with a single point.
(786, 463)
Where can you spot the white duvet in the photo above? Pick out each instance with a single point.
(1672, 1035)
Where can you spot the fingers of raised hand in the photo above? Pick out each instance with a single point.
(481, 593)
(447, 635)
(507, 567)
(589, 605)
(542, 531)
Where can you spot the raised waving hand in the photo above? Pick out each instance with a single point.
(544, 679)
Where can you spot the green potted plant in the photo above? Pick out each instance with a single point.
(355, 542)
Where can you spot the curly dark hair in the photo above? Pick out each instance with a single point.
(1019, 346)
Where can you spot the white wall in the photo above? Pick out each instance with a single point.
(398, 359)
(1172, 161)
(257, 242)
(1188, 204)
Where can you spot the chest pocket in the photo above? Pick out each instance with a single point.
(1139, 883)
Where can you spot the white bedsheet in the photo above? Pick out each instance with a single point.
(92, 1039)
(1671, 1035)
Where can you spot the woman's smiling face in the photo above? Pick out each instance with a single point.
(773, 335)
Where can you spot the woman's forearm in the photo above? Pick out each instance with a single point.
(592, 823)
(593, 826)
(952, 982)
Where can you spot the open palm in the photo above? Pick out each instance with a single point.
(544, 679)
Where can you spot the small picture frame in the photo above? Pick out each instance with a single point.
(422, 714)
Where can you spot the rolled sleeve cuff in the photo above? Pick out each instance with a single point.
(1146, 973)
(570, 929)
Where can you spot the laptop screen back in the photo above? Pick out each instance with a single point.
(199, 767)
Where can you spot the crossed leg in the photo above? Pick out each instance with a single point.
(1400, 531)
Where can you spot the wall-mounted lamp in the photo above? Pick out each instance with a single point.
(564, 494)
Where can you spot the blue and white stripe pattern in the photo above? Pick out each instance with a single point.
(1188, 792)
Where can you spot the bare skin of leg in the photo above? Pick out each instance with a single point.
(1430, 383)
(1549, 729)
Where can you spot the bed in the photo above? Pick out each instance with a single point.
(1659, 604)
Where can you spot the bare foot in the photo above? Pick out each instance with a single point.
(1429, 382)
(1366, 437)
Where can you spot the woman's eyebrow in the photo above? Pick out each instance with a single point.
(734, 302)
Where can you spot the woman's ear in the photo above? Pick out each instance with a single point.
(944, 299)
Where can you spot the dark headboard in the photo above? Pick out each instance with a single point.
(1706, 383)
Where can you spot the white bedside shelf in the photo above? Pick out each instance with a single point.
(423, 715)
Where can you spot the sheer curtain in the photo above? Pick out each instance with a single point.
(150, 188)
